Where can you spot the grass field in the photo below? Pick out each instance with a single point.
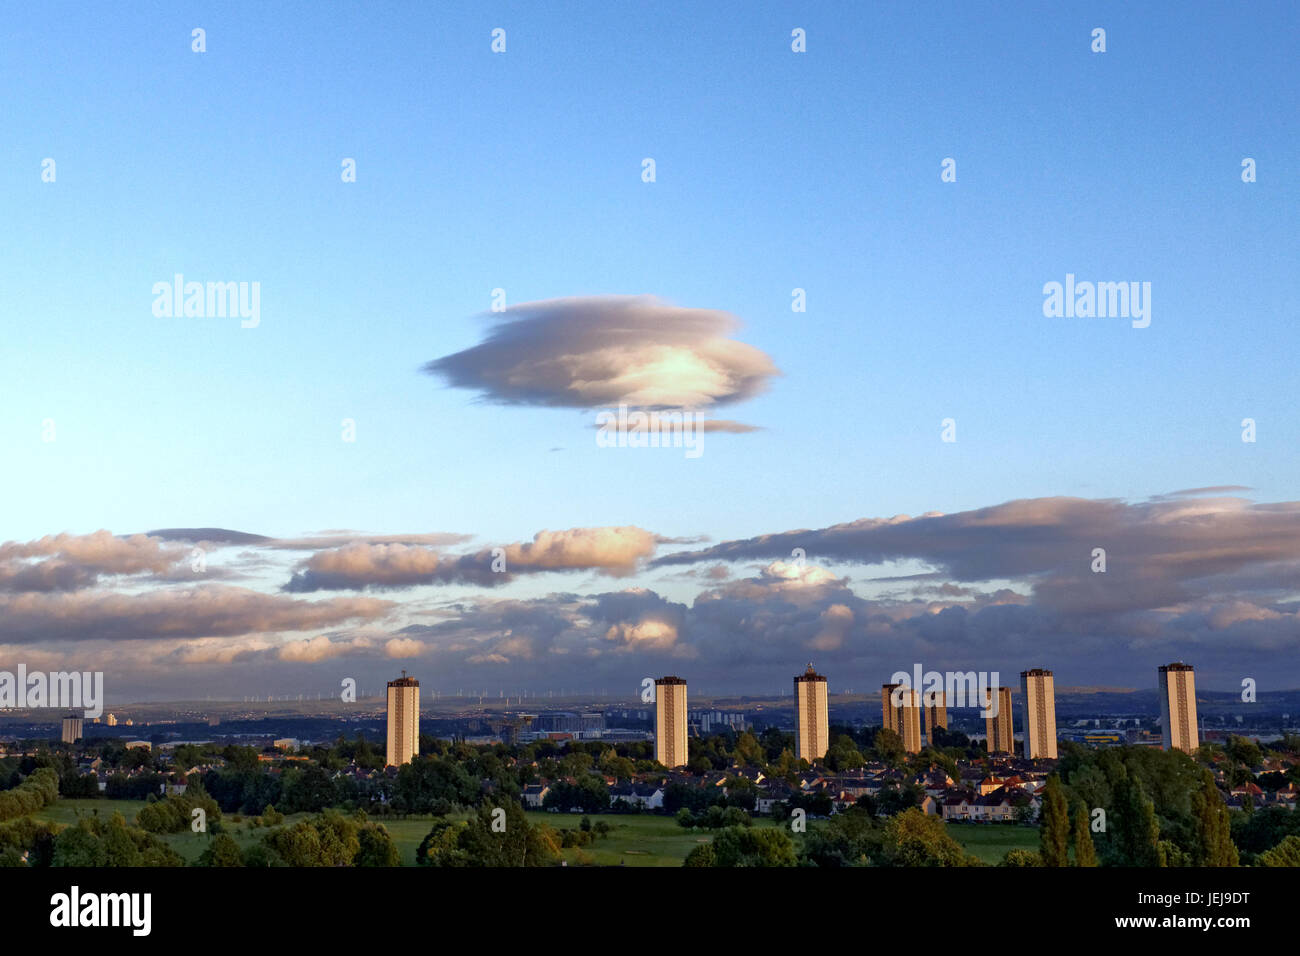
(641, 840)
(644, 840)
(991, 841)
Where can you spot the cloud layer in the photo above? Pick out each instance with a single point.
(359, 565)
(1214, 580)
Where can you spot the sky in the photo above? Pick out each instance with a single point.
(381, 429)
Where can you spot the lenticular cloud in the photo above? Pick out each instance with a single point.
(610, 350)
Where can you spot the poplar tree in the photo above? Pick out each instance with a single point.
(1213, 831)
(1054, 827)
(1137, 833)
(1085, 854)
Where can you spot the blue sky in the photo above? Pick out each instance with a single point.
(521, 170)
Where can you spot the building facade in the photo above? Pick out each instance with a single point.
(403, 720)
(1178, 708)
(936, 714)
(812, 721)
(71, 729)
(909, 719)
(900, 711)
(889, 709)
(1000, 725)
(1038, 698)
(670, 722)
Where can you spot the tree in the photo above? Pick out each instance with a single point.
(174, 814)
(79, 846)
(1245, 752)
(851, 838)
(1089, 785)
(441, 847)
(914, 838)
(310, 790)
(31, 838)
(376, 847)
(889, 747)
(1259, 832)
(1022, 858)
(1085, 853)
(748, 750)
(753, 846)
(702, 855)
(222, 850)
(894, 799)
(1286, 853)
(843, 754)
(1137, 834)
(96, 842)
(1213, 828)
(501, 837)
(1054, 827)
(329, 839)
(37, 791)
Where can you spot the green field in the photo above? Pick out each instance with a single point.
(636, 840)
(991, 841)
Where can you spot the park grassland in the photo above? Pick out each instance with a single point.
(635, 840)
(990, 842)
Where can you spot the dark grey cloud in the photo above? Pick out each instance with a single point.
(1158, 552)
